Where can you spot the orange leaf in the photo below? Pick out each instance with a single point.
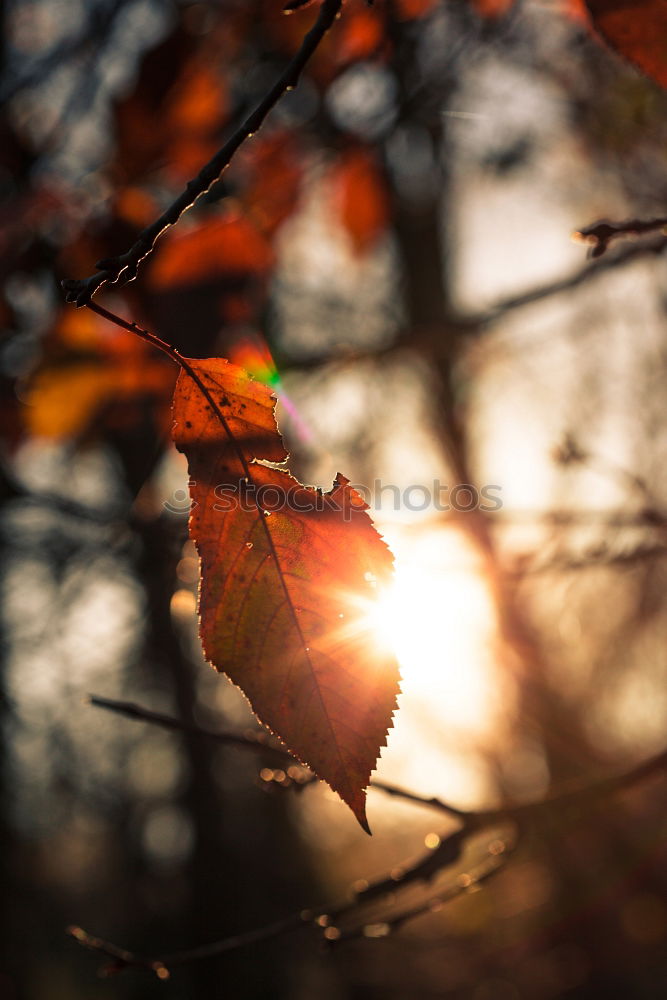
(61, 402)
(272, 168)
(409, 10)
(64, 401)
(224, 245)
(361, 35)
(362, 197)
(493, 8)
(88, 368)
(637, 29)
(285, 596)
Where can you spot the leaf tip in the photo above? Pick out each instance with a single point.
(363, 823)
(358, 807)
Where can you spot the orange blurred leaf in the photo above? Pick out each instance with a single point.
(409, 10)
(361, 196)
(285, 596)
(222, 245)
(492, 8)
(171, 122)
(361, 35)
(273, 170)
(87, 369)
(62, 401)
(637, 29)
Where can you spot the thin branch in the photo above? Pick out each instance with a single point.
(424, 869)
(626, 255)
(121, 958)
(421, 800)
(256, 740)
(563, 563)
(322, 919)
(11, 488)
(465, 882)
(251, 739)
(600, 234)
(477, 820)
(470, 325)
(98, 27)
(322, 922)
(123, 268)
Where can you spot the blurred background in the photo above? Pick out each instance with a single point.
(392, 253)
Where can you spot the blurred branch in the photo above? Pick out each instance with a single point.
(428, 340)
(570, 452)
(319, 920)
(251, 739)
(325, 919)
(97, 28)
(599, 235)
(647, 518)
(123, 268)
(254, 739)
(562, 563)
(12, 489)
(465, 882)
(648, 248)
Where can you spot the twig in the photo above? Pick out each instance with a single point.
(563, 563)
(323, 919)
(98, 26)
(121, 958)
(470, 325)
(477, 820)
(600, 234)
(253, 740)
(468, 881)
(123, 268)
(423, 869)
(626, 255)
(12, 489)
(320, 920)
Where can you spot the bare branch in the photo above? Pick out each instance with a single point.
(470, 325)
(257, 740)
(465, 882)
(425, 868)
(123, 268)
(323, 919)
(626, 255)
(563, 563)
(599, 235)
(251, 739)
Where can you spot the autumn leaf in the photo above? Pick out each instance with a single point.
(637, 29)
(493, 8)
(271, 171)
(410, 10)
(85, 373)
(361, 36)
(225, 244)
(173, 118)
(289, 579)
(361, 197)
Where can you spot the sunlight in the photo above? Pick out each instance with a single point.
(437, 618)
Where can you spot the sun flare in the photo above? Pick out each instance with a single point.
(437, 618)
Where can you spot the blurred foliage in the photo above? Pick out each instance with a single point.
(358, 255)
